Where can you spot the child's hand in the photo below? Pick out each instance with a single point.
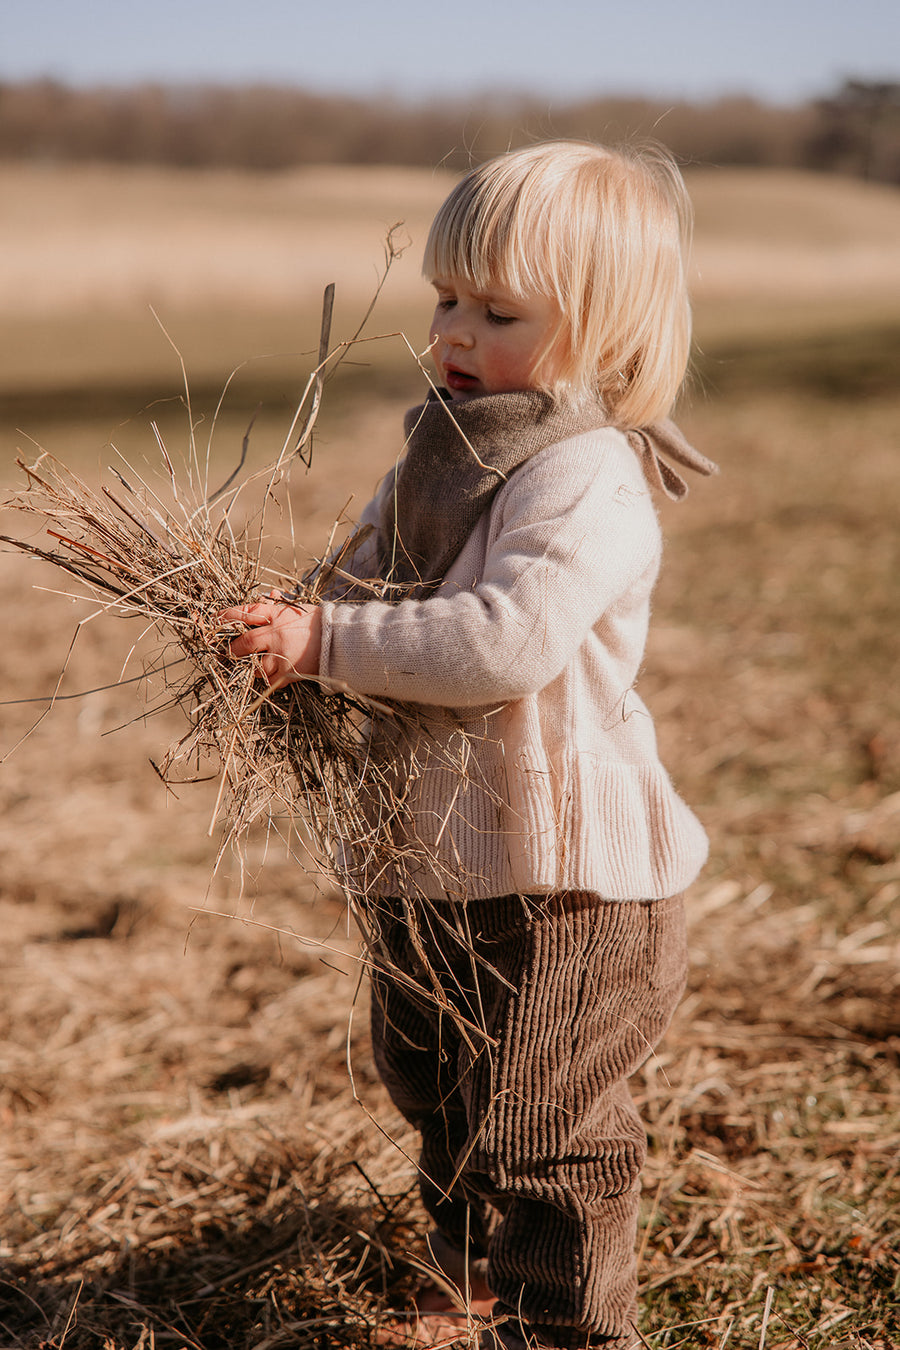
(287, 638)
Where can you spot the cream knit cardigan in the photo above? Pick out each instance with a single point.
(533, 642)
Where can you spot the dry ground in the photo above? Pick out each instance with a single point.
(184, 1157)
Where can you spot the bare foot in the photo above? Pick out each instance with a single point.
(440, 1316)
(433, 1299)
(437, 1329)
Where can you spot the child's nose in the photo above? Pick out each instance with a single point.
(457, 331)
(461, 338)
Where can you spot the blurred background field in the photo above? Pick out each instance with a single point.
(183, 1158)
(234, 264)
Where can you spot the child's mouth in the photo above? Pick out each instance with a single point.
(458, 381)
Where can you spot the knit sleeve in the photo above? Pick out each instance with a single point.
(572, 535)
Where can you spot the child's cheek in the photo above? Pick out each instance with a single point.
(510, 369)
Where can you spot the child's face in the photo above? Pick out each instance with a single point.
(490, 342)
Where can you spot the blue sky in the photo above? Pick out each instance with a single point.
(779, 50)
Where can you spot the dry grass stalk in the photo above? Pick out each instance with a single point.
(330, 770)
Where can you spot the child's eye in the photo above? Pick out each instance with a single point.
(493, 317)
(446, 302)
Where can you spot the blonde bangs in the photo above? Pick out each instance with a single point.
(481, 234)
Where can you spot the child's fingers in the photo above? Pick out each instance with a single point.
(286, 638)
(245, 644)
(260, 611)
(263, 611)
(275, 668)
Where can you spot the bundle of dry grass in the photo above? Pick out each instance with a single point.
(330, 771)
(313, 760)
(175, 567)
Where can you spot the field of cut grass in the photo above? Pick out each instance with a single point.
(184, 1157)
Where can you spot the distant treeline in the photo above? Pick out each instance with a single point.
(855, 130)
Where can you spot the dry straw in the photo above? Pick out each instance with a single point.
(331, 770)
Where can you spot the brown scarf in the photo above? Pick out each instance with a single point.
(460, 454)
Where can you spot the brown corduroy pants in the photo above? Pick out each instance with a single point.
(532, 1147)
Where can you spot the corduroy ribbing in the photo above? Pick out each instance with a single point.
(533, 1148)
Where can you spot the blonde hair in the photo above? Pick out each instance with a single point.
(605, 234)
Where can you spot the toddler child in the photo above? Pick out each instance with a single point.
(521, 523)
